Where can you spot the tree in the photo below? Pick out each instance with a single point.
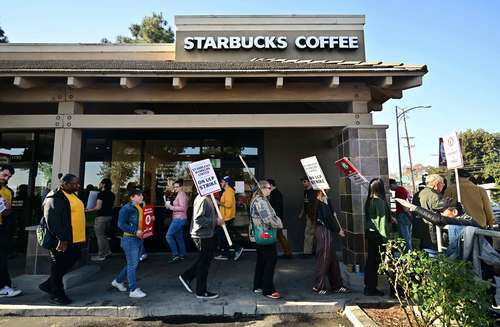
(3, 37)
(153, 29)
(481, 151)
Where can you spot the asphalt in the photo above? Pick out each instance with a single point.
(89, 288)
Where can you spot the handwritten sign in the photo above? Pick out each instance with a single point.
(347, 167)
(204, 177)
(315, 173)
(148, 219)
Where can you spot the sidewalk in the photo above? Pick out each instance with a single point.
(166, 297)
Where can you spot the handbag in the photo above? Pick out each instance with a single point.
(44, 237)
(265, 235)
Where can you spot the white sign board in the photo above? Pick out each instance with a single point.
(239, 187)
(314, 173)
(204, 177)
(454, 158)
(91, 202)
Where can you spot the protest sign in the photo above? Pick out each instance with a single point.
(148, 219)
(347, 167)
(315, 173)
(92, 200)
(207, 184)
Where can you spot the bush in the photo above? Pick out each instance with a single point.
(435, 289)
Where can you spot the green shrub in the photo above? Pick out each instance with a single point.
(435, 289)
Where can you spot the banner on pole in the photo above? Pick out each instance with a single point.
(348, 169)
(453, 151)
(148, 220)
(204, 177)
(442, 154)
(315, 173)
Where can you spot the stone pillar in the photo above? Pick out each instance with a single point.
(366, 148)
(67, 142)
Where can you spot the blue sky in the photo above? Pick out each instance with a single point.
(458, 40)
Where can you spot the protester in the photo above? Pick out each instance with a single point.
(264, 222)
(416, 197)
(403, 217)
(377, 222)
(228, 212)
(64, 213)
(203, 226)
(429, 199)
(327, 264)
(175, 235)
(306, 214)
(130, 222)
(104, 215)
(6, 289)
(276, 201)
(474, 199)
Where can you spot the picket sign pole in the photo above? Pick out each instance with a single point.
(220, 217)
(334, 215)
(459, 197)
(249, 172)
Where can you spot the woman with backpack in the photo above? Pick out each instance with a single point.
(264, 226)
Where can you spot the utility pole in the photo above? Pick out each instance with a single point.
(399, 148)
(409, 153)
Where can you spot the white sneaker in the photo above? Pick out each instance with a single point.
(118, 286)
(97, 258)
(137, 293)
(221, 257)
(9, 292)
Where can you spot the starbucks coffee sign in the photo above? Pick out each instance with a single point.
(269, 42)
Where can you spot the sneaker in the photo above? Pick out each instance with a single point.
(44, 287)
(9, 292)
(221, 257)
(186, 284)
(143, 257)
(374, 292)
(137, 293)
(119, 286)
(175, 259)
(237, 254)
(61, 300)
(97, 258)
(258, 291)
(207, 295)
(275, 295)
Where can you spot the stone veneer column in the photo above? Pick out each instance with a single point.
(366, 148)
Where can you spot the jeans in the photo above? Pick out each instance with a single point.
(264, 268)
(175, 237)
(132, 248)
(454, 235)
(221, 238)
(4, 255)
(405, 227)
(61, 264)
(100, 225)
(199, 269)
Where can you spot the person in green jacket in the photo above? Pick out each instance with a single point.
(377, 227)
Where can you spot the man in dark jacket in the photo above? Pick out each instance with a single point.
(276, 201)
(202, 232)
(65, 217)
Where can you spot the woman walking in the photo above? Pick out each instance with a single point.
(174, 236)
(104, 214)
(265, 224)
(327, 265)
(64, 214)
(377, 220)
(130, 222)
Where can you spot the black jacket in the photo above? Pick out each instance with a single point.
(276, 201)
(437, 219)
(57, 214)
(325, 216)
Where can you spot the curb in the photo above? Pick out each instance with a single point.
(196, 309)
(358, 317)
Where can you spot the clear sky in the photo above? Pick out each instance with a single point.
(459, 40)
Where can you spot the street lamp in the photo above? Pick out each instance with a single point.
(401, 112)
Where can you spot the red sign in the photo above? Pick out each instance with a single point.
(350, 170)
(148, 219)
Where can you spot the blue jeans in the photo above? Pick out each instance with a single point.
(175, 237)
(132, 248)
(454, 234)
(405, 228)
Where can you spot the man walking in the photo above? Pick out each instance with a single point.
(276, 201)
(306, 213)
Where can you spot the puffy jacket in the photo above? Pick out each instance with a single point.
(57, 214)
(204, 218)
(228, 204)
